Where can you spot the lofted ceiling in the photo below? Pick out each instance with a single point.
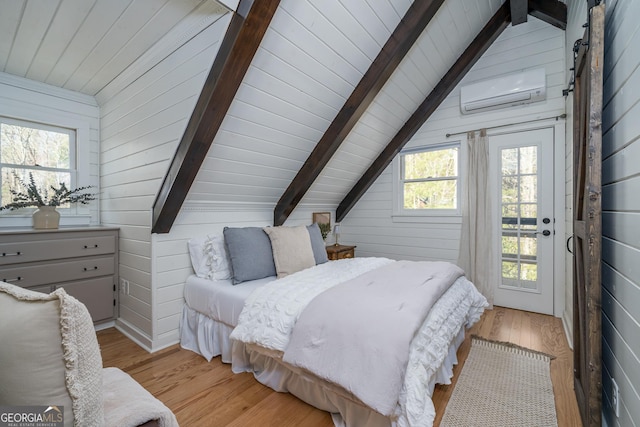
(311, 58)
(83, 45)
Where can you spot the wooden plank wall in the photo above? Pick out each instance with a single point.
(142, 123)
(371, 223)
(172, 265)
(29, 100)
(621, 212)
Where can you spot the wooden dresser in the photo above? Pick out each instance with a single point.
(335, 252)
(84, 261)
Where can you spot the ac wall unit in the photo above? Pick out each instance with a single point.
(504, 91)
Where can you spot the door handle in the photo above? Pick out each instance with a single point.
(544, 232)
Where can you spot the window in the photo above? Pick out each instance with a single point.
(428, 180)
(46, 152)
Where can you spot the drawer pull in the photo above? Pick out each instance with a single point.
(12, 254)
(17, 279)
(90, 247)
(88, 269)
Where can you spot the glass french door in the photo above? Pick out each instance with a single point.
(522, 172)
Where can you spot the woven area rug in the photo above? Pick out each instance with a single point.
(502, 385)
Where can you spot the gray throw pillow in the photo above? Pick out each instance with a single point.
(317, 243)
(250, 253)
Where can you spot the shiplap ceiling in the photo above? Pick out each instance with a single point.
(312, 57)
(83, 45)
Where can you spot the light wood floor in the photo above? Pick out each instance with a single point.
(207, 394)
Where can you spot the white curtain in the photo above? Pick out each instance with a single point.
(476, 248)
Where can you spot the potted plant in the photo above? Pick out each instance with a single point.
(31, 196)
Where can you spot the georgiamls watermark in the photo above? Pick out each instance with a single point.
(31, 416)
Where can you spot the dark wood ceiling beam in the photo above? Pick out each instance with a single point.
(241, 41)
(519, 11)
(550, 11)
(469, 57)
(403, 37)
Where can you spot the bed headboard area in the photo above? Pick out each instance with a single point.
(249, 253)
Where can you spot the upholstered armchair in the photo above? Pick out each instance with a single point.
(49, 356)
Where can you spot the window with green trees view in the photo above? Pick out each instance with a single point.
(429, 178)
(47, 152)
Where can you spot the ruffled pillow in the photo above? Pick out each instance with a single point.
(209, 257)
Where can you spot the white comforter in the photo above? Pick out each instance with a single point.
(343, 341)
(271, 312)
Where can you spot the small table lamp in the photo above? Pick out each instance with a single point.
(336, 232)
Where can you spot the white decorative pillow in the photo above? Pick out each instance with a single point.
(50, 354)
(209, 257)
(219, 258)
(292, 250)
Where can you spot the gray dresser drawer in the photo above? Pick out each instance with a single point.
(83, 261)
(61, 271)
(39, 250)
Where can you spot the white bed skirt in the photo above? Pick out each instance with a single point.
(205, 336)
(209, 338)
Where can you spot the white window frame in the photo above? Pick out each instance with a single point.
(400, 214)
(73, 165)
(79, 166)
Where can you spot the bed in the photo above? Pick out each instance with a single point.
(257, 325)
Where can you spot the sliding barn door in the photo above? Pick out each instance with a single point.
(587, 149)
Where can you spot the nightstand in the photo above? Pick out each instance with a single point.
(335, 252)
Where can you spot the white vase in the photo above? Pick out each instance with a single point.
(46, 217)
